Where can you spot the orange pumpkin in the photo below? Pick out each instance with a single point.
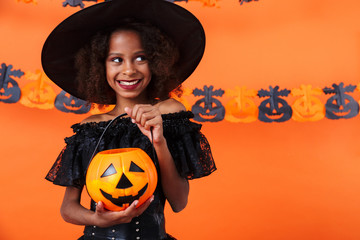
(38, 93)
(307, 107)
(28, 1)
(118, 177)
(97, 109)
(241, 108)
(185, 92)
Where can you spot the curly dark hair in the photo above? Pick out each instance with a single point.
(160, 51)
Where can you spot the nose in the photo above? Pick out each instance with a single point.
(129, 68)
(124, 182)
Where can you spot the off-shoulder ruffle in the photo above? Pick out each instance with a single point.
(188, 146)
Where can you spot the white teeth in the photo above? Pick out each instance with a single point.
(128, 83)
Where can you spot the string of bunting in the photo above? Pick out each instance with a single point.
(80, 3)
(210, 106)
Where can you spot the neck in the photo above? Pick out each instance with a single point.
(122, 103)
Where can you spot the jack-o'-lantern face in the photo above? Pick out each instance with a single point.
(307, 107)
(68, 103)
(311, 109)
(274, 111)
(242, 108)
(212, 111)
(10, 91)
(341, 107)
(9, 88)
(208, 108)
(120, 176)
(38, 93)
(246, 112)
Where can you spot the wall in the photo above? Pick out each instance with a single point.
(278, 181)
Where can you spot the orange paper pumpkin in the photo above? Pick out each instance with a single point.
(118, 177)
(38, 93)
(307, 107)
(208, 3)
(241, 108)
(98, 109)
(185, 92)
(28, 1)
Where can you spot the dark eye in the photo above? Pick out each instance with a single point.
(109, 171)
(141, 58)
(117, 60)
(135, 168)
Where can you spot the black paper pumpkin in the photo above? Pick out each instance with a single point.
(274, 109)
(68, 103)
(208, 108)
(75, 3)
(9, 88)
(242, 1)
(341, 105)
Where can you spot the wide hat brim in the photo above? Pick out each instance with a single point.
(69, 36)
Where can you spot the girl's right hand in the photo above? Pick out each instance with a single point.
(106, 218)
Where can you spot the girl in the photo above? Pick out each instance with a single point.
(123, 58)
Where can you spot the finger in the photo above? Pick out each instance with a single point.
(136, 109)
(145, 113)
(155, 122)
(144, 206)
(128, 111)
(100, 207)
(147, 118)
(140, 109)
(142, 113)
(131, 210)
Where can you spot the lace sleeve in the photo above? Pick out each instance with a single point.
(68, 169)
(189, 147)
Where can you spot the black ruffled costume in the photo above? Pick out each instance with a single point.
(188, 147)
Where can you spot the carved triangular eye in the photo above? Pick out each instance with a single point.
(135, 168)
(109, 171)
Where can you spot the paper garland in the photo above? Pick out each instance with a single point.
(206, 103)
(28, 1)
(242, 1)
(9, 88)
(80, 3)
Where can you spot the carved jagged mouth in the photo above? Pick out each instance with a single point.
(71, 108)
(37, 101)
(341, 113)
(207, 116)
(4, 97)
(126, 199)
(275, 116)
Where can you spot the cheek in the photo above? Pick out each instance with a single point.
(110, 76)
(146, 73)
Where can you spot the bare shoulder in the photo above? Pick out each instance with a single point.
(170, 106)
(96, 118)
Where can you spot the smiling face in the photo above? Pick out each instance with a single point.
(127, 68)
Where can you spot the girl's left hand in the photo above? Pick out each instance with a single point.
(147, 117)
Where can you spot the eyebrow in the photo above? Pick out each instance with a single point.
(136, 53)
